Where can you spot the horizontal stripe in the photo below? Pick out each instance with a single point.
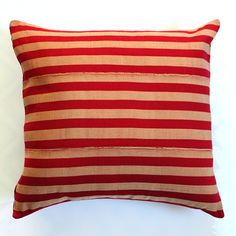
(116, 44)
(40, 32)
(114, 61)
(185, 180)
(51, 70)
(118, 142)
(114, 95)
(194, 189)
(113, 170)
(117, 35)
(141, 52)
(116, 86)
(120, 161)
(118, 134)
(115, 78)
(103, 61)
(144, 38)
(211, 198)
(121, 152)
(213, 208)
(105, 113)
(117, 123)
(118, 104)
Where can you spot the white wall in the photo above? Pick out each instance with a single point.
(107, 217)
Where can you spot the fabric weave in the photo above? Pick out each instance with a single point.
(116, 114)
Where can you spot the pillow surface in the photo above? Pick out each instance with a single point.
(116, 114)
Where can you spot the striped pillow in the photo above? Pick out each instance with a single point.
(116, 114)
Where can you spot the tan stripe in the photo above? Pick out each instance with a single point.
(114, 60)
(110, 170)
(22, 34)
(24, 189)
(106, 113)
(116, 77)
(83, 133)
(121, 152)
(116, 95)
(18, 206)
(96, 44)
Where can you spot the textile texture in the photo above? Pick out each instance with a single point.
(116, 114)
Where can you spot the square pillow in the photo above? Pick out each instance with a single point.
(116, 114)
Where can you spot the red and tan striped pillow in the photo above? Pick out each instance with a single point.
(116, 114)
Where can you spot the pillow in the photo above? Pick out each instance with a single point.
(116, 114)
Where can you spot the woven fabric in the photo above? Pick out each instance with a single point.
(116, 114)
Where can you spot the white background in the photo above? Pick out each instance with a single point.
(117, 217)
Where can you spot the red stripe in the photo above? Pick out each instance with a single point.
(117, 104)
(116, 86)
(18, 28)
(110, 142)
(118, 161)
(124, 178)
(116, 68)
(114, 51)
(217, 213)
(34, 39)
(20, 214)
(117, 123)
(209, 198)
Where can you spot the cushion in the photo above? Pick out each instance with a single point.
(116, 114)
